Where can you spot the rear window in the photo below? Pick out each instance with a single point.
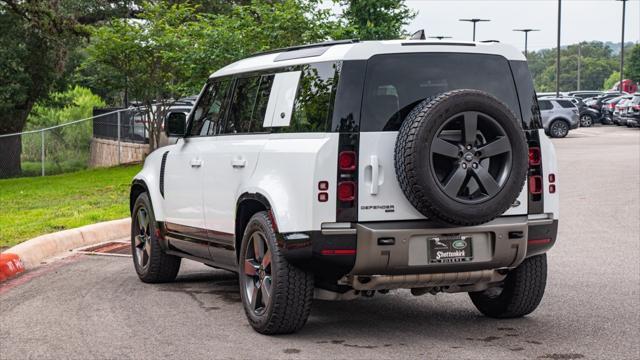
(396, 83)
(565, 103)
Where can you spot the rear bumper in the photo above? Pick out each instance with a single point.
(500, 244)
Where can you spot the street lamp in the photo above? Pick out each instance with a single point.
(439, 37)
(558, 49)
(526, 36)
(474, 21)
(624, 5)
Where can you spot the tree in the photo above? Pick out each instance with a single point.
(611, 81)
(632, 68)
(374, 19)
(35, 40)
(173, 48)
(597, 61)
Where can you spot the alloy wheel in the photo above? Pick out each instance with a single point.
(471, 157)
(559, 129)
(585, 120)
(257, 273)
(143, 238)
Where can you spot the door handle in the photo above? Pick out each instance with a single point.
(375, 172)
(196, 163)
(238, 163)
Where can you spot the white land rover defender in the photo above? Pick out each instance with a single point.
(339, 169)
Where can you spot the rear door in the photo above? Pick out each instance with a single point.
(390, 92)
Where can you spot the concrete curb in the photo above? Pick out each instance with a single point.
(31, 253)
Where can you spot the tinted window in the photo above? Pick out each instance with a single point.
(208, 114)
(526, 95)
(262, 99)
(565, 103)
(243, 102)
(545, 105)
(313, 105)
(396, 83)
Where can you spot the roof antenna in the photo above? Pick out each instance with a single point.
(418, 35)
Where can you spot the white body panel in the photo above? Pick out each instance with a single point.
(229, 163)
(183, 184)
(366, 49)
(549, 166)
(290, 167)
(283, 95)
(386, 201)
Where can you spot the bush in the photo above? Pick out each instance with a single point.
(68, 147)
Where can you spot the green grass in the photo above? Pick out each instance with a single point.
(34, 168)
(39, 205)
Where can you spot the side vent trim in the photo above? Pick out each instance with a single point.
(162, 165)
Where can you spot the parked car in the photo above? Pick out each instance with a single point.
(608, 107)
(587, 115)
(559, 115)
(598, 102)
(331, 171)
(620, 110)
(633, 111)
(583, 94)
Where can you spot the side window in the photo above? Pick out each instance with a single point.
(242, 105)
(545, 105)
(209, 113)
(262, 100)
(566, 104)
(313, 105)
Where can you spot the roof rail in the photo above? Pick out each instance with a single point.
(307, 46)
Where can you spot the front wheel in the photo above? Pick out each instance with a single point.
(149, 260)
(276, 295)
(559, 129)
(519, 295)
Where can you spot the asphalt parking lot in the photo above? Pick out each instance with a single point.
(88, 307)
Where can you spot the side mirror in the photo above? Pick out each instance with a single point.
(176, 124)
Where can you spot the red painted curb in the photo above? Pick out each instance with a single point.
(10, 265)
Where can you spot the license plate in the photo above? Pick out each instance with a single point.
(443, 249)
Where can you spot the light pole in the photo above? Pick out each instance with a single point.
(624, 6)
(526, 36)
(439, 37)
(474, 21)
(558, 50)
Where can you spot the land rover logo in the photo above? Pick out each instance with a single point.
(459, 244)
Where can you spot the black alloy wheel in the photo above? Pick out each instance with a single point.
(471, 157)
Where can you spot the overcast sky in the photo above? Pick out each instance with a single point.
(582, 20)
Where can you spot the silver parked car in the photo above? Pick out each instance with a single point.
(559, 115)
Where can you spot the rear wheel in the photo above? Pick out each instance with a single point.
(275, 294)
(586, 120)
(559, 129)
(149, 260)
(519, 295)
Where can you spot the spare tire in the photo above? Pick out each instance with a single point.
(461, 157)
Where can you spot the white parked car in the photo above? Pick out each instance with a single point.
(348, 168)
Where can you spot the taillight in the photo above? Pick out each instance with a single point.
(347, 160)
(346, 191)
(534, 156)
(535, 184)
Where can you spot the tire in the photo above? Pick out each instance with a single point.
(424, 174)
(558, 128)
(520, 293)
(288, 290)
(586, 120)
(151, 263)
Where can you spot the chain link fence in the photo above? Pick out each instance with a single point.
(110, 137)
